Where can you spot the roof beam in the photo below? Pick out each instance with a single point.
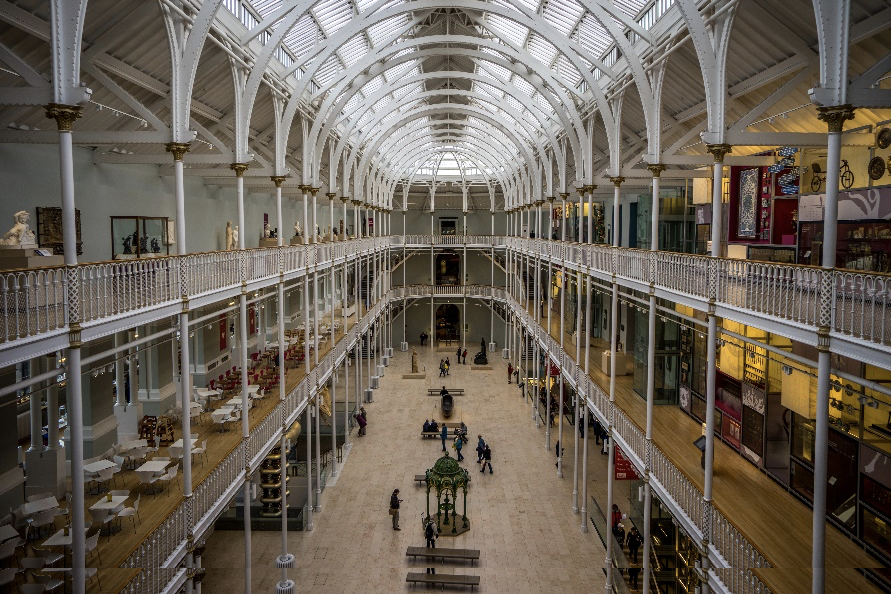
(799, 139)
(85, 137)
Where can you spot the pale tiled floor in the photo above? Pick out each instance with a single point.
(521, 516)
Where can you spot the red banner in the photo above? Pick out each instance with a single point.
(624, 469)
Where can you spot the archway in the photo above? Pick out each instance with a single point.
(448, 324)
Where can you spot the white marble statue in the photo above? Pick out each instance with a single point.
(267, 231)
(229, 242)
(235, 238)
(21, 233)
(297, 229)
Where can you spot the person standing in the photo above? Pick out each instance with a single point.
(447, 365)
(394, 508)
(480, 446)
(458, 354)
(510, 371)
(430, 534)
(633, 572)
(598, 430)
(423, 338)
(487, 459)
(464, 357)
(445, 436)
(458, 444)
(615, 516)
(559, 453)
(362, 422)
(442, 368)
(634, 541)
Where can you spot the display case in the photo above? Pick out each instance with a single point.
(139, 237)
(862, 245)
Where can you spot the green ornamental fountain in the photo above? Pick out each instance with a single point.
(447, 478)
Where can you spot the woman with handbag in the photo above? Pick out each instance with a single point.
(394, 508)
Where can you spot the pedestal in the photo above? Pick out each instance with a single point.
(128, 416)
(266, 242)
(46, 472)
(296, 240)
(16, 257)
(621, 363)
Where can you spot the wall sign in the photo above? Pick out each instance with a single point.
(753, 398)
(624, 469)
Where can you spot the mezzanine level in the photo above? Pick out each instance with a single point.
(111, 296)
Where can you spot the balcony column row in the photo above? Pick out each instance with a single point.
(652, 347)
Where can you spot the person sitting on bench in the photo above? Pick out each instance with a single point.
(426, 425)
(434, 426)
(443, 392)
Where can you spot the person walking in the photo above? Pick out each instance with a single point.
(445, 436)
(458, 444)
(487, 459)
(362, 421)
(633, 572)
(510, 371)
(464, 357)
(430, 534)
(447, 365)
(634, 542)
(480, 446)
(423, 338)
(615, 516)
(442, 369)
(394, 508)
(598, 430)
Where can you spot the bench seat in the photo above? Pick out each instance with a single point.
(443, 553)
(443, 579)
(453, 392)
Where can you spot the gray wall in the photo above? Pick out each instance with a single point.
(479, 222)
(30, 179)
(477, 319)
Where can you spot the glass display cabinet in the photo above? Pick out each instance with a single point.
(139, 237)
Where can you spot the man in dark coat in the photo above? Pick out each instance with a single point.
(445, 436)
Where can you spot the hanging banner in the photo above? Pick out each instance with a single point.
(624, 469)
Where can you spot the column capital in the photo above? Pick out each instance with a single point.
(278, 180)
(656, 169)
(617, 180)
(564, 196)
(63, 114)
(719, 151)
(314, 191)
(835, 116)
(539, 202)
(356, 202)
(345, 199)
(178, 149)
(331, 195)
(303, 188)
(238, 168)
(590, 188)
(551, 199)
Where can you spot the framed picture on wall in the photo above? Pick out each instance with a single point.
(49, 229)
(748, 203)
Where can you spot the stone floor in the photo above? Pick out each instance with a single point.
(521, 516)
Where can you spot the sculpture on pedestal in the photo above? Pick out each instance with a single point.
(414, 361)
(235, 238)
(297, 229)
(21, 233)
(229, 242)
(480, 358)
(267, 232)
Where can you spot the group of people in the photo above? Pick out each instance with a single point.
(633, 540)
(483, 454)
(430, 426)
(444, 367)
(461, 355)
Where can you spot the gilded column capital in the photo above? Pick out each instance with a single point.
(238, 168)
(303, 188)
(345, 199)
(719, 151)
(539, 202)
(278, 180)
(564, 196)
(835, 116)
(356, 202)
(63, 114)
(331, 195)
(551, 199)
(178, 149)
(617, 180)
(656, 169)
(314, 191)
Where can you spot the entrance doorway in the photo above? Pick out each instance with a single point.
(448, 324)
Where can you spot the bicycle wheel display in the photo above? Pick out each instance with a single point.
(816, 182)
(847, 178)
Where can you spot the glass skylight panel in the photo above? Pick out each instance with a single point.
(513, 103)
(332, 15)
(563, 14)
(567, 71)
(373, 85)
(352, 104)
(506, 28)
(496, 70)
(541, 49)
(381, 103)
(401, 70)
(353, 50)
(630, 7)
(407, 89)
(327, 70)
(382, 31)
(303, 36)
(592, 36)
(264, 7)
(524, 85)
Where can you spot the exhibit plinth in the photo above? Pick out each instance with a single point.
(13, 257)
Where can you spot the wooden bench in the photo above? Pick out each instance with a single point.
(453, 391)
(443, 579)
(432, 553)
